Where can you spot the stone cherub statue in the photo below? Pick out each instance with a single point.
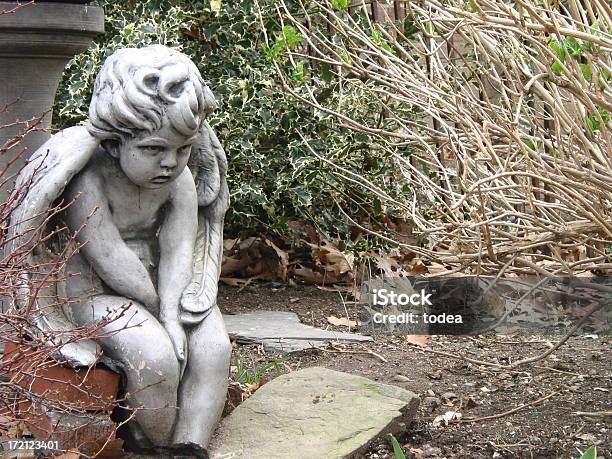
(147, 176)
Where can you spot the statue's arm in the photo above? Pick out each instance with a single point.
(105, 250)
(176, 243)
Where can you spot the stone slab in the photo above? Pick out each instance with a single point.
(313, 413)
(282, 331)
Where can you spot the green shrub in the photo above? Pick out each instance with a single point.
(274, 179)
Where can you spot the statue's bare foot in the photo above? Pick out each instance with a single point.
(189, 449)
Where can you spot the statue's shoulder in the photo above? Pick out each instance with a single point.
(59, 159)
(72, 147)
(75, 139)
(73, 132)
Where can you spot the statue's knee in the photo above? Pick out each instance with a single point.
(223, 349)
(157, 368)
(168, 367)
(214, 356)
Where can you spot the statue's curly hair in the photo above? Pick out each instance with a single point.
(138, 88)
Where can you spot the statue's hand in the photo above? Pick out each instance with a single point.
(179, 339)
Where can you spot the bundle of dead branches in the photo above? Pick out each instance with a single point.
(510, 161)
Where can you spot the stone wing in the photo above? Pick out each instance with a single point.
(38, 185)
(208, 165)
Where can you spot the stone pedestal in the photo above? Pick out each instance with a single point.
(36, 43)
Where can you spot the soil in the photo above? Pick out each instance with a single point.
(578, 376)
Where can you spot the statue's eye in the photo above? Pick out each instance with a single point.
(185, 150)
(152, 149)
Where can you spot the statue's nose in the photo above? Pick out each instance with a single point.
(168, 161)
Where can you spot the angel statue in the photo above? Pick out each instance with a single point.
(146, 178)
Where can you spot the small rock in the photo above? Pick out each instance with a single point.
(430, 392)
(587, 437)
(435, 374)
(431, 403)
(471, 403)
(535, 440)
(431, 451)
(560, 366)
(282, 331)
(449, 396)
(401, 378)
(293, 300)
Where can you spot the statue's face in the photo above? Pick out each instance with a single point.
(152, 160)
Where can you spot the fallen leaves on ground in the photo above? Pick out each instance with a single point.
(418, 340)
(314, 261)
(271, 260)
(342, 321)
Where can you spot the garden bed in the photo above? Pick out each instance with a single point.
(577, 376)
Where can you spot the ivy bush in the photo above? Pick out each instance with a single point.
(277, 185)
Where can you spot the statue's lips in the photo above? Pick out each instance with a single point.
(161, 179)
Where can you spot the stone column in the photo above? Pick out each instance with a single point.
(36, 43)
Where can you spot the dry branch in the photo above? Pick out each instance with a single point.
(509, 160)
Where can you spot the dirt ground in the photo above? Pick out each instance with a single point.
(577, 378)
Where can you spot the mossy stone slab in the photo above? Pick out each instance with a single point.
(313, 413)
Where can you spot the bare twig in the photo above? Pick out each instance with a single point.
(505, 413)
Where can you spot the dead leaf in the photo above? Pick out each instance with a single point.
(446, 418)
(486, 390)
(283, 259)
(229, 244)
(389, 266)
(233, 282)
(436, 268)
(230, 265)
(114, 448)
(68, 455)
(417, 267)
(342, 321)
(247, 243)
(417, 452)
(308, 276)
(418, 340)
(331, 258)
